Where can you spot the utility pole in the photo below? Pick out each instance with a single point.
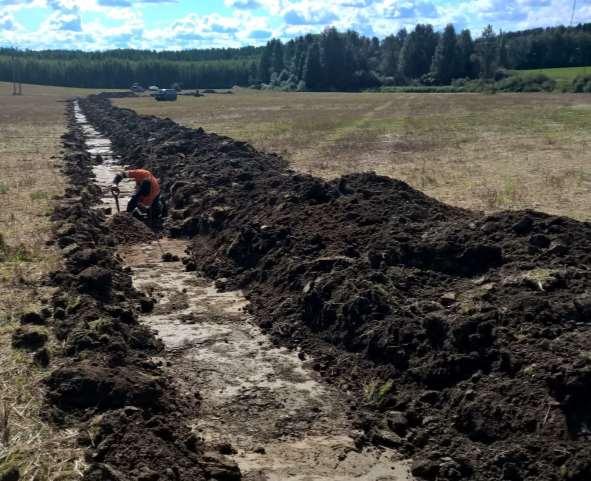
(17, 86)
(13, 65)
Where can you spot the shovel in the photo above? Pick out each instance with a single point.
(116, 197)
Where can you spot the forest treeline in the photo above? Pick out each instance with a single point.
(331, 60)
(348, 61)
(208, 68)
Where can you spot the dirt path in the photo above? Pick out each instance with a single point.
(265, 406)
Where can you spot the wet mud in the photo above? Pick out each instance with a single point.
(128, 230)
(103, 381)
(263, 405)
(461, 339)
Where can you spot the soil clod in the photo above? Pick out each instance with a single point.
(42, 357)
(28, 338)
(128, 230)
(34, 318)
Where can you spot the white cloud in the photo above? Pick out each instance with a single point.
(409, 9)
(67, 22)
(114, 3)
(100, 24)
(196, 31)
(8, 23)
(309, 17)
(243, 4)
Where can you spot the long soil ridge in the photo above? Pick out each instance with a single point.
(465, 337)
(131, 416)
(262, 405)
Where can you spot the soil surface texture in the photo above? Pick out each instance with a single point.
(464, 338)
(264, 407)
(260, 413)
(128, 230)
(106, 381)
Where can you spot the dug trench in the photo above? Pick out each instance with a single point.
(457, 338)
(252, 410)
(105, 381)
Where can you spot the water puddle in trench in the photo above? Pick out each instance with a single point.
(283, 421)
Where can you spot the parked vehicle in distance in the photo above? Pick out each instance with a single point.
(136, 87)
(166, 95)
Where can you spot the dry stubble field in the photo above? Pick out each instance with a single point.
(487, 152)
(30, 130)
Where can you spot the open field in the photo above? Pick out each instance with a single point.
(380, 255)
(487, 152)
(30, 130)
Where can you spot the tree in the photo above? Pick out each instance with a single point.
(465, 46)
(332, 58)
(265, 63)
(253, 74)
(417, 52)
(487, 49)
(313, 76)
(502, 55)
(390, 53)
(347, 81)
(277, 63)
(444, 66)
(299, 59)
(347, 60)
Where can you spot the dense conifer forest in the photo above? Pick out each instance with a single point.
(331, 60)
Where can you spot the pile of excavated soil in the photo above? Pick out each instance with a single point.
(128, 230)
(106, 375)
(465, 336)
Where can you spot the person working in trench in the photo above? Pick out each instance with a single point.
(145, 202)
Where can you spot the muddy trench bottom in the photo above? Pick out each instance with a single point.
(281, 420)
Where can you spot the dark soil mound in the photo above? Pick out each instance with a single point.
(106, 363)
(128, 230)
(152, 449)
(463, 335)
(28, 338)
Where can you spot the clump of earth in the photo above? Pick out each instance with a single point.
(128, 230)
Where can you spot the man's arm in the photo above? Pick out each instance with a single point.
(117, 179)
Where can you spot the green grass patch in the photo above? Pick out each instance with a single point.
(39, 195)
(376, 390)
(3, 188)
(13, 254)
(563, 76)
(566, 73)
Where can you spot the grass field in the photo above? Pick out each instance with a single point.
(567, 73)
(488, 152)
(30, 130)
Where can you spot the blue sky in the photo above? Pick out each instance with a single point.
(178, 24)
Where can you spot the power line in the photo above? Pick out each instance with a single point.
(572, 17)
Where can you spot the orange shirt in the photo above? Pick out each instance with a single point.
(139, 175)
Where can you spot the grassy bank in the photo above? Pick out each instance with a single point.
(567, 73)
(30, 130)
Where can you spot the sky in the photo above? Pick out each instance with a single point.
(183, 24)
